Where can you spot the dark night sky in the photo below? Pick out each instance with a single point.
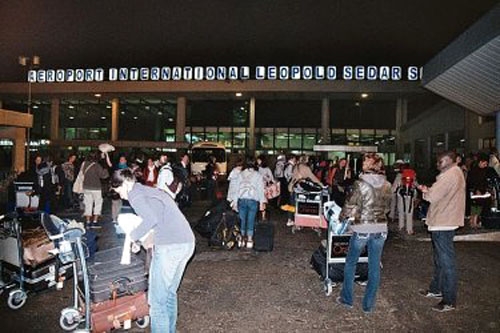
(113, 33)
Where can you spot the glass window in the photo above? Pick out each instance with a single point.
(225, 137)
(281, 138)
(352, 135)
(338, 136)
(239, 140)
(309, 141)
(169, 135)
(295, 138)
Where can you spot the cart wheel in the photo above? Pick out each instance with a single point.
(17, 298)
(69, 320)
(294, 229)
(142, 322)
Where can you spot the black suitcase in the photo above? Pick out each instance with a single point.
(264, 237)
(335, 270)
(108, 278)
(491, 220)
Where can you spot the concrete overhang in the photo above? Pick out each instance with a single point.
(15, 119)
(467, 71)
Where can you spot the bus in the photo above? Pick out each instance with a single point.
(201, 151)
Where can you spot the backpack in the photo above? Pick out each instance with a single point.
(178, 178)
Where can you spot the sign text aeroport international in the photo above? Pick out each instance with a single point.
(222, 73)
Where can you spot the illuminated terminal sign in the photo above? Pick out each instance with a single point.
(222, 73)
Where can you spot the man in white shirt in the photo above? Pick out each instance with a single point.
(166, 178)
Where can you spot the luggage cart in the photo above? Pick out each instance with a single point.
(18, 276)
(309, 210)
(337, 244)
(72, 250)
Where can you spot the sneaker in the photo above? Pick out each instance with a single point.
(430, 294)
(290, 223)
(249, 244)
(340, 301)
(441, 307)
(367, 311)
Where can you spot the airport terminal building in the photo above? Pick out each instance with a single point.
(409, 112)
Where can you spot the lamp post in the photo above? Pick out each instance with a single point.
(30, 63)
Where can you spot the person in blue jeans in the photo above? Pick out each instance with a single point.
(446, 214)
(247, 197)
(367, 207)
(173, 241)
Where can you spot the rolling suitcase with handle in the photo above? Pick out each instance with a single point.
(109, 278)
(264, 237)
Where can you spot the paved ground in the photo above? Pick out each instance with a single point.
(244, 291)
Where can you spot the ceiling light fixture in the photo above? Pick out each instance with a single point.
(97, 95)
(364, 95)
(238, 94)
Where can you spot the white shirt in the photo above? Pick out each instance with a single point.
(165, 178)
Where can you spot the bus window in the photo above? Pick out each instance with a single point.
(200, 153)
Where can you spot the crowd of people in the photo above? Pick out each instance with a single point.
(371, 195)
(54, 181)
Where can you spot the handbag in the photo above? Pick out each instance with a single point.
(78, 184)
(272, 190)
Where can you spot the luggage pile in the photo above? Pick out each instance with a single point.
(220, 225)
(26, 264)
(117, 292)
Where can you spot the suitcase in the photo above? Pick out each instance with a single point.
(491, 220)
(118, 312)
(264, 237)
(335, 270)
(39, 278)
(108, 278)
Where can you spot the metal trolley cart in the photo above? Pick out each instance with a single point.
(309, 210)
(72, 250)
(337, 244)
(17, 275)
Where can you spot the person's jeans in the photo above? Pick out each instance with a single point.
(247, 210)
(445, 277)
(375, 243)
(165, 275)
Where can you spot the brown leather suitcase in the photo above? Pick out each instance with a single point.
(112, 314)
